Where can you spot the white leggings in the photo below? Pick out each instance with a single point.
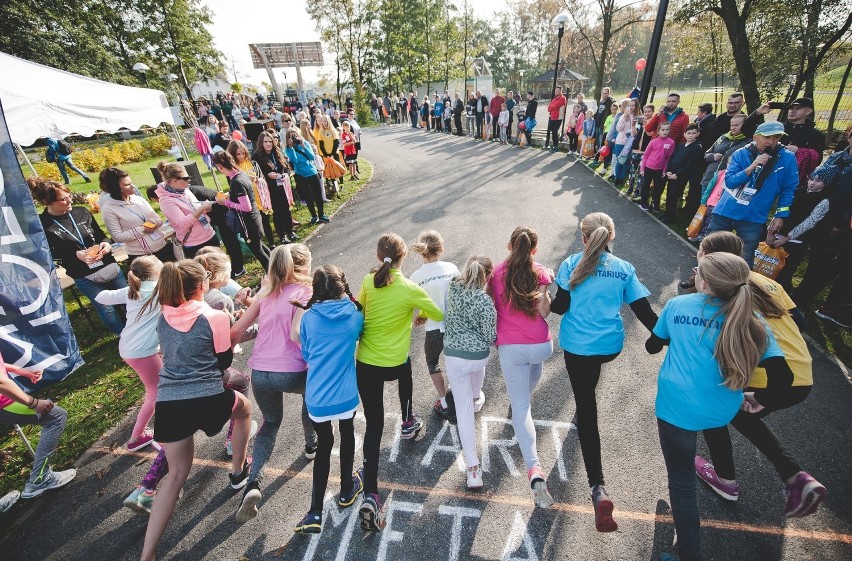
(521, 366)
(466, 377)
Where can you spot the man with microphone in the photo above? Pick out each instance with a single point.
(758, 175)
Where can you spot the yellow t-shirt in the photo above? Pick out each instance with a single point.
(787, 335)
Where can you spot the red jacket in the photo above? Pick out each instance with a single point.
(496, 102)
(555, 106)
(678, 125)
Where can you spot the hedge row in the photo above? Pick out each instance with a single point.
(93, 160)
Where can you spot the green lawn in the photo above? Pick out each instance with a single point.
(100, 394)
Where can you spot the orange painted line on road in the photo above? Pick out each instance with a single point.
(524, 502)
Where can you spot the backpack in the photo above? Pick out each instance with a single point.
(64, 148)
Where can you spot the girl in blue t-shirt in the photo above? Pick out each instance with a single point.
(715, 342)
(592, 286)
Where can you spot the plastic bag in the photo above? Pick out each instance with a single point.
(768, 261)
(694, 227)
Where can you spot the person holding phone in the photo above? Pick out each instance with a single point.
(186, 215)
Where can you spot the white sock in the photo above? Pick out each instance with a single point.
(444, 402)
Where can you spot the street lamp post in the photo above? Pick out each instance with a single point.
(521, 72)
(143, 69)
(558, 24)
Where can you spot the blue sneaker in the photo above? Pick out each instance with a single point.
(310, 524)
(347, 499)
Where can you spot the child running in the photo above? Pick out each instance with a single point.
(804, 493)
(519, 290)
(434, 277)
(389, 300)
(328, 328)
(715, 342)
(196, 346)
(592, 287)
(471, 328)
(276, 361)
(139, 343)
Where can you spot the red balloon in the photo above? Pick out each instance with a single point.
(237, 135)
(640, 64)
(522, 125)
(605, 151)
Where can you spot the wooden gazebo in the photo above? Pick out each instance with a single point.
(572, 83)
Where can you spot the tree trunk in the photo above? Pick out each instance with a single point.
(837, 99)
(735, 24)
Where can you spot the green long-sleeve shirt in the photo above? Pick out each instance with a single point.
(388, 313)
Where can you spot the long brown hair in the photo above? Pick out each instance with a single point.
(45, 190)
(391, 250)
(282, 271)
(598, 229)
(742, 337)
(178, 284)
(521, 278)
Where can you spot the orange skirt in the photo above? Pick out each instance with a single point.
(333, 168)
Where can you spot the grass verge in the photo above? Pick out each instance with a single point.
(101, 393)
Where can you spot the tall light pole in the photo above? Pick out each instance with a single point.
(143, 69)
(558, 25)
(521, 72)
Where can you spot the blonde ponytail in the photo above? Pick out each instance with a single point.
(742, 337)
(598, 229)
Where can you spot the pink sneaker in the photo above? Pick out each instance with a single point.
(804, 495)
(146, 439)
(707, 474)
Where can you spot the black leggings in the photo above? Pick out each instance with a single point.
(310, 189)
(280, 210)
(572, 141)
(322, 462)
(553, 132)
(254, 232)
(371, 385)
(653, 184)
(751, 426)
(584, 373)
(190, 251)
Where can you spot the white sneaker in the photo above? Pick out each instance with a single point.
(479, 402)
(474, 478)
(229, 448)
(538, 485)
(50, 480)
(8, 500)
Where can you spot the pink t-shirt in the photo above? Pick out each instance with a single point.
(4, 401)
(513, 326)
(274, 351)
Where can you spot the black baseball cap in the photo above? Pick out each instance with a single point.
(803, 102)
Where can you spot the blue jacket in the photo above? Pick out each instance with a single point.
(589, 127)
(780, 185)
(329, 332)
(302, 159)
(53, 154)
(438, 109)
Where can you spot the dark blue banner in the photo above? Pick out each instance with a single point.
(35, 332)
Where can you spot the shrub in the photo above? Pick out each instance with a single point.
(156, 145)
(46, 170)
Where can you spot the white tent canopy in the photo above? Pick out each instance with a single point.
(40, 101)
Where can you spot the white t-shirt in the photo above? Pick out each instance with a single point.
(435, 279)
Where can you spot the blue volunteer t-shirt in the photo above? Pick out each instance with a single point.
(690, 389)
(593, 324)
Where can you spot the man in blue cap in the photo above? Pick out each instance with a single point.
(759, 175)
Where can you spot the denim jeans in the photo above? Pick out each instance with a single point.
(70, 163)
(52, 426)
(678, 446)
(108, 314)
(749, 232)
(620, 169)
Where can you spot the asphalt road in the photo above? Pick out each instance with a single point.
(475, 194)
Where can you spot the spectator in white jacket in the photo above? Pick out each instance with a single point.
(130, 219)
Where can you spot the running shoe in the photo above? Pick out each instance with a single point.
(411, 427)
(314, 220)
(239, 480)
(440, 410)
(8, 500)
(50, 480)
(474, 478)
(372, 519)
(804, 495)
(145, 500)
(237, 274)
(603, 510)
(229, 448)
(644, 207)
(540, 492)
(707, 473)
(324, 219)
(144, 440)
(248, 506)
(479, 402)
(310, 524)
(131, 500)
(348, 499)
(310, 451)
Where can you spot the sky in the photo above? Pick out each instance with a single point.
(235, 25)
